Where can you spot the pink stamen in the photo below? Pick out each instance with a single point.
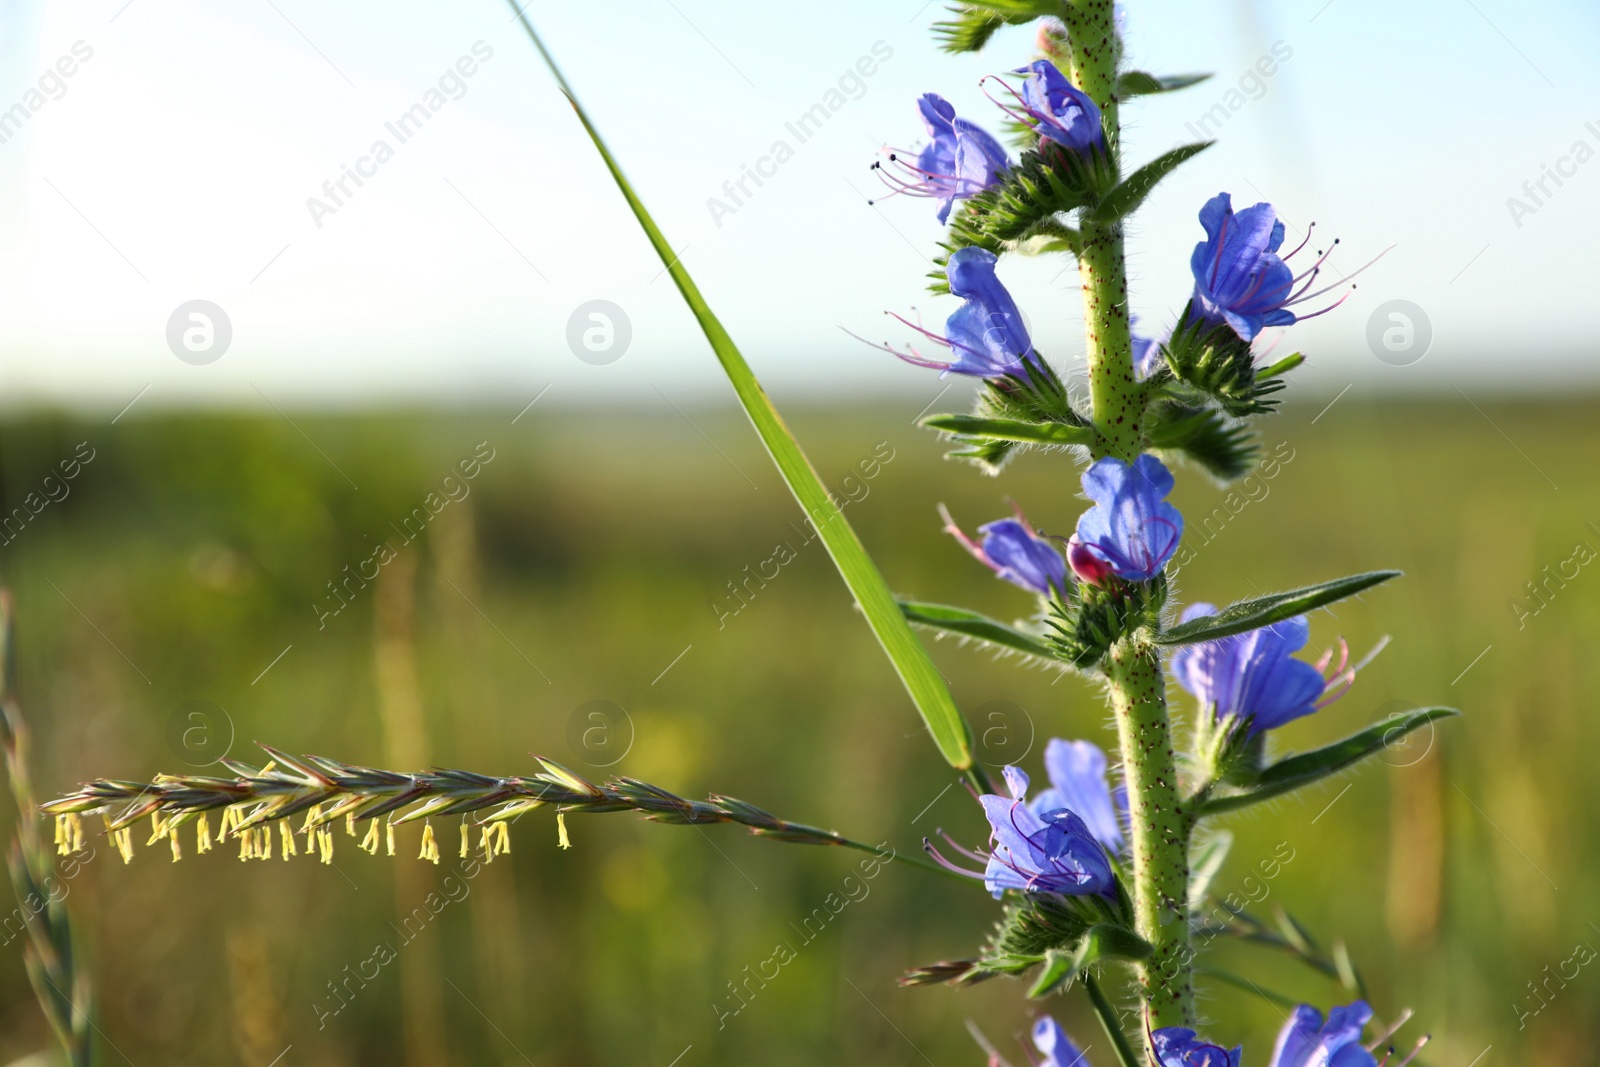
(1347, 277)
(1324, 311)
(971, 854)
(946, 864)
(911, 355)
(967, 542)
(1302, 244)
(1027, 118)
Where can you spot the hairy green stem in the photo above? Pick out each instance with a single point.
(1114, 391)
(1111, 1021)
(1159, 827)
(1118, 400)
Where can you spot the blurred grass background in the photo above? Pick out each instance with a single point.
(585, 564)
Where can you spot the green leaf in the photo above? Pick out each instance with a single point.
(1133, 83)
(1248, 985)
(978, 627)
(921, 679)
(1224, 448)
(1125, 199)
(1044, 433)
(1205, 865)
(1264, 611)
(1039, 186)
(970, 25)
(1108, 941)
(1103, 941)
(1059, 968)
(1294, 772)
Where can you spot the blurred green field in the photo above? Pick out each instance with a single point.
(591, 559)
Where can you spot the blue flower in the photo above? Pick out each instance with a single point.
(1306, 1041)
(986, 333)
(1049, 853)
(1131, 526)
(1146, 356)
(1058, 111)
(1252, 676)
(1077, 772)
(1053, 1043)
(1016, 553)
(1238, 276)
(1240, 279)
(961, 160)
(1178, 1046)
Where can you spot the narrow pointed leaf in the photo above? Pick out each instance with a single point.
(1129, 193)
(1047, 433)
(1225, 448)
(1205, 865)
(1248, 985)
(1275, 607)
(1059, 969)
(976, 626)
(1137, 83)
(917, 672)
(1106, 941)
(1294, 772)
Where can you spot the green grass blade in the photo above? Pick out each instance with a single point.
(922, 680)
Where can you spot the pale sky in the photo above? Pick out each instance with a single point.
(176, 161)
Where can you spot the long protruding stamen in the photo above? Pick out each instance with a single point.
(927, 846)
(966, 541)
(911, 355)
(1303, 243)
(1347, 277)
(1390, 1030)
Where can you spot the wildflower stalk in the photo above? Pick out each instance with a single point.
(1159, 825)
(62, 987)
(1117, 398)
(329, 792)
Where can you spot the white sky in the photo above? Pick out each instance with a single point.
(178, 162)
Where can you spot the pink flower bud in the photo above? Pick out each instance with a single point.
(1085, 564)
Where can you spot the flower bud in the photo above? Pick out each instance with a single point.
(1085, 564)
